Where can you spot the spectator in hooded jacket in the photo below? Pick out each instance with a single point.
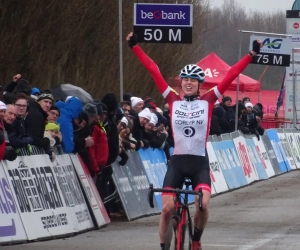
(17, 132)
(69, 111)
(218, 113)
(227, 123)
(36, 120)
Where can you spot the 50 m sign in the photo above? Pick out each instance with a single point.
(163, 34)
(163, 23)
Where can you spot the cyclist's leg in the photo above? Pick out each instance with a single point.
(201, 178)
(173, 179)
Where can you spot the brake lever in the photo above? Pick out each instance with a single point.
(200, 193)
(150, 195)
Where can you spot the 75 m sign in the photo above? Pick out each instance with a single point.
(274, 51)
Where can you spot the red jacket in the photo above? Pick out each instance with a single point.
(2, 141)
(98, 152)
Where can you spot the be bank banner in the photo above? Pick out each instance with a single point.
(146, 14)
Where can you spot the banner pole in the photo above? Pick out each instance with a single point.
(294, 90)
(238, 88)
(121, 49)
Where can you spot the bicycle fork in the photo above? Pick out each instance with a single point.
(181, 225)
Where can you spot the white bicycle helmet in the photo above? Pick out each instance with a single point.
(193, 71)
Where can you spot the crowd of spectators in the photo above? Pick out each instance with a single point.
(101, 131)
(249, 116)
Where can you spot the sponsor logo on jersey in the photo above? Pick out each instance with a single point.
(188, 131)
(191, 115)
(180, 122)
(183, 107)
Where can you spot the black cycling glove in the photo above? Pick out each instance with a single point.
(256, 46)
(133, 41)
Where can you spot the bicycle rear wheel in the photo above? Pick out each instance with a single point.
(187, 234)
(171, 235)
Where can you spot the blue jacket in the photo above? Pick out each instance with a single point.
(69, 111)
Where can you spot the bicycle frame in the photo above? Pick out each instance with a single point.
(182, 212)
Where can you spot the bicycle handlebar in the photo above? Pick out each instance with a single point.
(174, 191)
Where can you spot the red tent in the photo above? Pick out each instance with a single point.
(215, 70)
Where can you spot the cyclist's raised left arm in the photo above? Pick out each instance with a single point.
(233, 73)
(238, 68)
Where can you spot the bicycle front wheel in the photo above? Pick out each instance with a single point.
(187, 234)
(171, 235)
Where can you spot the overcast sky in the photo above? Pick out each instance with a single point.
(263, 5)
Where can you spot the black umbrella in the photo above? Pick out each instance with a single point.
(62, 91)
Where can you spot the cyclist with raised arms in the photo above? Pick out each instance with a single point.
(190, 118)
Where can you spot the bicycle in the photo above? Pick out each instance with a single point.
(181, 219)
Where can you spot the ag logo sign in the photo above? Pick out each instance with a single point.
(272, 44)
(274, 51)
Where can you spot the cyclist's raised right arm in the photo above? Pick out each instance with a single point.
(168, 93)
(151, 66)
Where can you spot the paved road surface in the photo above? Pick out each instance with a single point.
(265, 215)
